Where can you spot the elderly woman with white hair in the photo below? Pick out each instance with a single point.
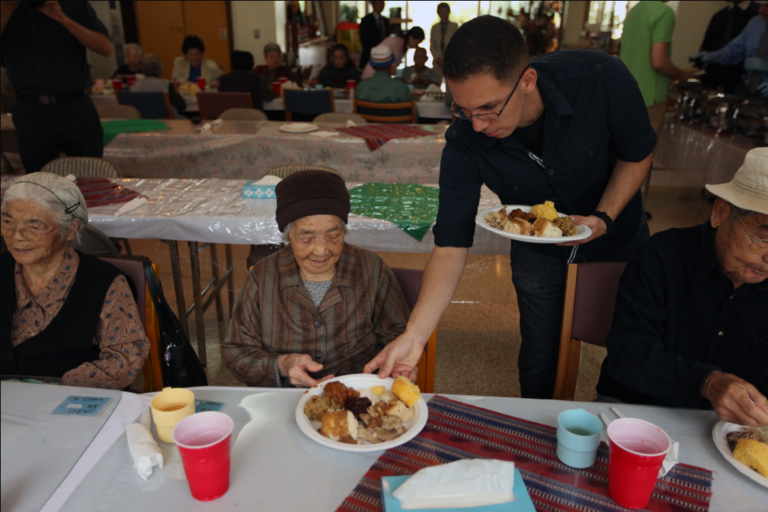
(153, 68)
(133, 62)
(274, 69)
(318, 308)
(64, 314)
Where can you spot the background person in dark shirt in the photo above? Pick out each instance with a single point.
(133, 55)
(589, 157)
(241, 79)
(690, 328)
(339, 70)
(43, 50)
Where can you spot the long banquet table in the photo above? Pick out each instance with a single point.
(276, 467)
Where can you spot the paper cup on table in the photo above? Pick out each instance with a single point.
(204, 442)
(201, 84)
(117, 84)
(578, 437)
(276, 86)
(130, 80)
(637, 450)
(169, 407)
(351, 84)
(282, 79)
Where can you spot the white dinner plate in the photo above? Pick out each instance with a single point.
(362, 383)
(582, 232)
(720, 430)
(298, 127)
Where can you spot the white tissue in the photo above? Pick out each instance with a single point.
(130, 206)
(268, 180)
(143, 447)
(205, 128)
(671, 459)
(351, 123)
(323, 134)
(464, 483)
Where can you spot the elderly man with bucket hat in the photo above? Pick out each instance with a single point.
(382, 87)
(318, 308)
(690, 327)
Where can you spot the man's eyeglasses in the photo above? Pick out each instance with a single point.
(759, 246)
(28, 233)
(488, 116)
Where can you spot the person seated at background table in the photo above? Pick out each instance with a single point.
(133, 66)
(399, 47)
(690, 327)
(153, 68)
(192, 65)
(64, 314)
(382, 87)
(340, 70)
(274, 68)
(242, 80)
(419, 74)
(319, 307)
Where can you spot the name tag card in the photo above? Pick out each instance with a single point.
(204, 405)
(82, 405)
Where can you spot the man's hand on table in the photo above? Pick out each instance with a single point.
(596, 224)
(736, 400)
(399, 357)
(296, 366)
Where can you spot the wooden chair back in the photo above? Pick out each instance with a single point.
(386, 112)
(213, 104)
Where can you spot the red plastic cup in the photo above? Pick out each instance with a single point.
(117, 84)
(351, 84)
(204, 440)
(637, 449)
(201, 83)
(277, 87)
(130, 80)
(282, 79)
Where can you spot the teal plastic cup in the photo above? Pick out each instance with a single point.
(578, 437)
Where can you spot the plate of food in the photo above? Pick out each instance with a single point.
(539, 224)
(362, 413)
(746, 448)
(298, 127)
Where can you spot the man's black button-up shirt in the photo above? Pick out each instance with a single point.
(43, 57)
(678, 319)
(594, 115)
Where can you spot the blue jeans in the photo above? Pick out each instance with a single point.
(539, 280)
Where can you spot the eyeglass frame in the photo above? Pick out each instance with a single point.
(455, 107)
(754, 242)
(23, 230)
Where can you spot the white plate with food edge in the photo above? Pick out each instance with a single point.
(298, 127)
(582, 232)
(362, 383)
(719, 433)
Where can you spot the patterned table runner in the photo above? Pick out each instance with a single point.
(459, 431)
(103, 192)
(114, 128)
(413, 208)
(376, 135)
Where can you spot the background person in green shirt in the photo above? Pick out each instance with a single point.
(645, 49)
(381, 87)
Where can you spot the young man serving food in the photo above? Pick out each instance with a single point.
(570, 127)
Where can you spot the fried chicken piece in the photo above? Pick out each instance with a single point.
(566, 225)
(317, 406)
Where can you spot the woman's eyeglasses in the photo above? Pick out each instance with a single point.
(462, 114)
(28, 233)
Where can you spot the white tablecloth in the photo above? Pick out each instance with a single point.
(39, 448)
(214, 211)
(276, 467)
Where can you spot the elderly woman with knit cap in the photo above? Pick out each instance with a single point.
(319, 307)
(64, 314)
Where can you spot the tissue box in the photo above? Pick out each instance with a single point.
(253, 191)
(522, 503)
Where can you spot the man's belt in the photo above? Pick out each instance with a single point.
(51, 99)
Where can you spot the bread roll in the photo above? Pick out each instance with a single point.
(406, 391)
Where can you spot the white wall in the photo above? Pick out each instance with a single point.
(265, 16)
(692, 21)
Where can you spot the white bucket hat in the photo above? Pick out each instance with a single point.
(747, 190)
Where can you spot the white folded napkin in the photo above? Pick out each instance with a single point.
(464, 483)
(130, 206)
(671, 459)
(268, 180)
(205, 128)
(323, 134)
(351, 123)
(143, 447)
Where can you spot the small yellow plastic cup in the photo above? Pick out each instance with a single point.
(169, 407)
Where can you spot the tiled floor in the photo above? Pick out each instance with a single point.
(478, 339)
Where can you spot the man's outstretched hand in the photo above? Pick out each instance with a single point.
(736, 400)
(399, 357)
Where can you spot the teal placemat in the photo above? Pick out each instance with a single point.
(413, 208)
(114, 128)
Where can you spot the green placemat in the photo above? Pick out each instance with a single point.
(114, 128)
(413, 208)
